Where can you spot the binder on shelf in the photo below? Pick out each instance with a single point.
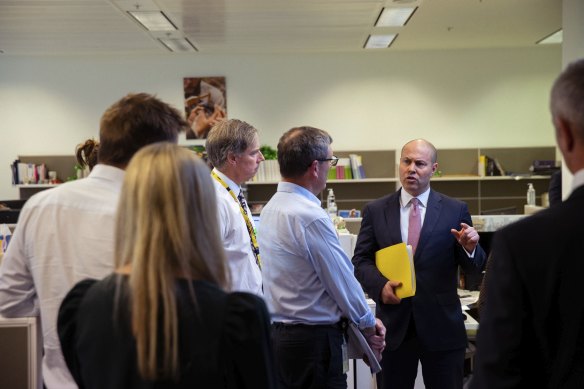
(396, 262)
(357, 166)
(344, 169)
(482, 165)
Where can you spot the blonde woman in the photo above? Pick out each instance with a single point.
(163, 319)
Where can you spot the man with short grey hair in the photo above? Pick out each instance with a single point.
(310, 288)
(233, 148)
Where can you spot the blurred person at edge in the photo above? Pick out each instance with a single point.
(66, 234)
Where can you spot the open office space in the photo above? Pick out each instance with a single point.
(458, 98)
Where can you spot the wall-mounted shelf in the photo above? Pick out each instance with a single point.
(459, 179)
(379, 166)
(64, 165)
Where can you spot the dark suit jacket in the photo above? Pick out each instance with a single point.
(436, 306)
(531, 333)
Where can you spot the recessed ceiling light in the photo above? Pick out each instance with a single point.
(395, 17)
(379, 41)
(178, 44)
(153, 20)
(555, 38)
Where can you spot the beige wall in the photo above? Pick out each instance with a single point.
(465, 98)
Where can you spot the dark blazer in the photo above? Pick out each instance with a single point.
(436, 306)
(531, 333)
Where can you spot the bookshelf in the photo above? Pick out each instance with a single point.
(379, 166)
(459, 178)
(490, 194)
(64, 165)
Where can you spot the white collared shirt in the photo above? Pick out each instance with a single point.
(245, 273)
(308, 277)
(578, 179)
(63, 235)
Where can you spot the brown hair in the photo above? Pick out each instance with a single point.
(133, 122)
(228, 136)
(299, 147)
(86, 153)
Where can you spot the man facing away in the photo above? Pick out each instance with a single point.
(65, 234)
(531, 331)
(308, 279)
(233, 148)
(428, 327)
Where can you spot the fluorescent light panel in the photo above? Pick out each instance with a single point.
(555, 38)
(153, 20)
(395, 17)
(178, 44)
(380, 41)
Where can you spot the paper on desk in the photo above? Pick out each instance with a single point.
(467, 297)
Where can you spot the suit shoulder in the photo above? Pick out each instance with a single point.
(382, 201)
(551, 219)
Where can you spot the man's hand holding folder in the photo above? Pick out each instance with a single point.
(376, 338)
(367, 344)
(396, 263)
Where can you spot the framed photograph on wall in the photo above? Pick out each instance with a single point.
(205, 104)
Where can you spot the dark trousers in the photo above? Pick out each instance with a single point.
(440, 369)
(309, 356)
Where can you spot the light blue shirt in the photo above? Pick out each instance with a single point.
(308, 278)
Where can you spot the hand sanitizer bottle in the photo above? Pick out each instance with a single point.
(331, 205)
(530, 194)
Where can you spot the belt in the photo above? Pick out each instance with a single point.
(340, 325)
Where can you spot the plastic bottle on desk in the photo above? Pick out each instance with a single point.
(530, 194)
(331, 205)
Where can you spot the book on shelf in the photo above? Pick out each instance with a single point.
(268, 171)
(396, 263)
(357, 166)
(343, 169)
(482, 169)
(28, 173)
(493, 167)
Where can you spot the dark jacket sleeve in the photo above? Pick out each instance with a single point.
(364, 257)
(249, 345)
(67, 327)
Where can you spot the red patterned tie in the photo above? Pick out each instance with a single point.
(415, 224)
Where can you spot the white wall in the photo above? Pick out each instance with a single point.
(465, 98)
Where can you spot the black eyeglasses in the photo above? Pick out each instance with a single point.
(333, 160)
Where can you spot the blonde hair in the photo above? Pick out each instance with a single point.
(167, 228)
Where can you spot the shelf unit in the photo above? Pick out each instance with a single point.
(491, 194)
(64, 165)
(458, 178)
(379, 166)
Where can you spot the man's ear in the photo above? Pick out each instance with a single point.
(231, 158)
(564, 136)
(313, 169)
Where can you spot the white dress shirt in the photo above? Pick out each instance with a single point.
(245, 273)
(308, 278)
(63, 235)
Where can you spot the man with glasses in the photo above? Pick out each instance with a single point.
(309, 284)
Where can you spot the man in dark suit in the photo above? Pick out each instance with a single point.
(428, 327)
(531, 333)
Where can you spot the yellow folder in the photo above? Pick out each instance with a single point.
(396, 263)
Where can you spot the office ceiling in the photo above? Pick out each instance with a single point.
(63, 27)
